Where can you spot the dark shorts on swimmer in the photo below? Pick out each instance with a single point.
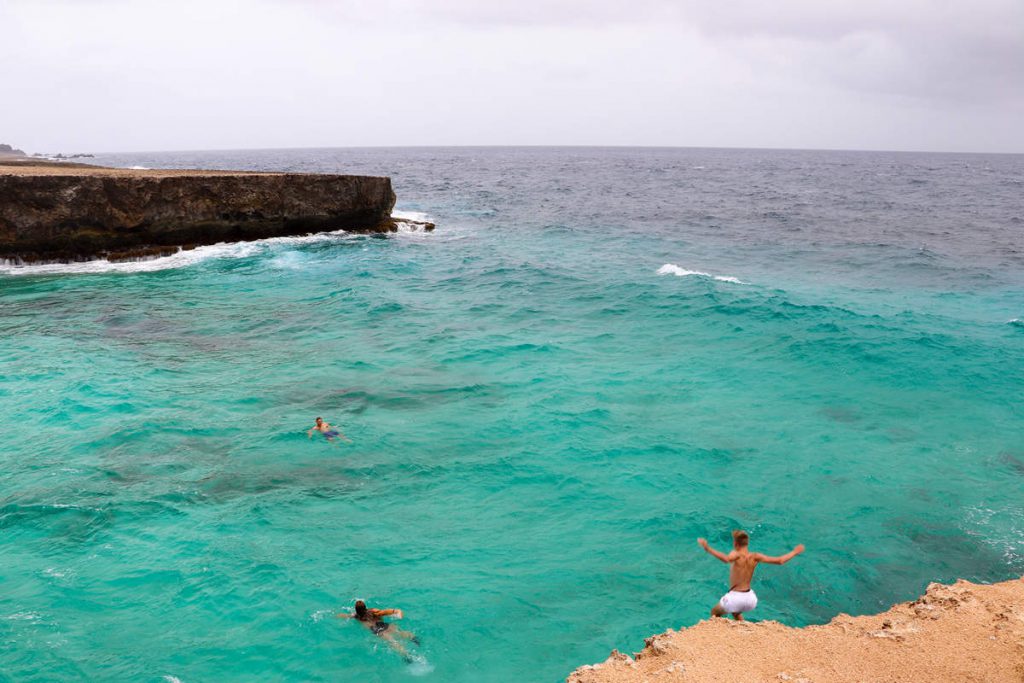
(379, 627)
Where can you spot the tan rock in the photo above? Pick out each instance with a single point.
(960, 633)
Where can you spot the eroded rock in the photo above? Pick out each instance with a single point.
(74, 213)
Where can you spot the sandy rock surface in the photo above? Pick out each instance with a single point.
(961, 633)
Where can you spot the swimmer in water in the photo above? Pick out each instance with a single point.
(741, 597)
(373, 619)
(330, 433)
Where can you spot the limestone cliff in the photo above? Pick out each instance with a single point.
(964, 632)
(69, 212)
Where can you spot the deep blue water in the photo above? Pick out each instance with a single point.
(543, 424)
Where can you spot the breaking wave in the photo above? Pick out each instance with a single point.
(188, 257)
(181, 259)
(673, 269)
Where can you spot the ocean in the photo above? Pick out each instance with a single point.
(597, 357)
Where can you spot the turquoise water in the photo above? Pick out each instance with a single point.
(542, 424)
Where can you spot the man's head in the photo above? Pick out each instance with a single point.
(360, 605)
(740, 539)
(319, 420)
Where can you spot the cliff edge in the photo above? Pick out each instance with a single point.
(965, 633)
(73, 212)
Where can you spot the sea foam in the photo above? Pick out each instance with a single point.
(414, 216)
(222, 250)
(419, 666)
(416, 222)
(673, 269)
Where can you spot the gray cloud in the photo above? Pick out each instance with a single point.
(152, 74)
(923, 48)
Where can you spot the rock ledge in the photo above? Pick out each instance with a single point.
(963, 632)
(74, 212)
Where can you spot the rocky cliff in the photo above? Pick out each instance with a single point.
(964, 632)
(68, 212)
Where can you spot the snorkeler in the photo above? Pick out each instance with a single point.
(330, 433)
(373, 620)
(741, 597)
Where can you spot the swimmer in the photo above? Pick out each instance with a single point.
(330, 433)
(373, 620)
(741, 598)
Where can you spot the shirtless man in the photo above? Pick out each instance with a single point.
(373, 620)
(330, 433)
(740, 597)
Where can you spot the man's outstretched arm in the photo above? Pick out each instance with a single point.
(782, 559)
(711, 551)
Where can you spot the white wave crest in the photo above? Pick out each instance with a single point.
(414, 216)
(410, 229)
(673, 269)
(412, 222)
(184, 258)
(181, 259)
(411, 225)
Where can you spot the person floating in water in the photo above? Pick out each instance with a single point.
(330, 433)
(741, 598)
(373, 619)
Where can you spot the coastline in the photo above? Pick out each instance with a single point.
(28, 166)
(538, 418)
(56, 212)
(958, 632)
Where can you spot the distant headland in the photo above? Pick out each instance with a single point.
(9, 151)
(64, 212)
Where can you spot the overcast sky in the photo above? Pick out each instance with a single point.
(124, 75)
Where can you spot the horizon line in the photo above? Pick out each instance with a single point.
(538, 146)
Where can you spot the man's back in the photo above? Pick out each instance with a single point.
(742, 563)
(741, 569)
